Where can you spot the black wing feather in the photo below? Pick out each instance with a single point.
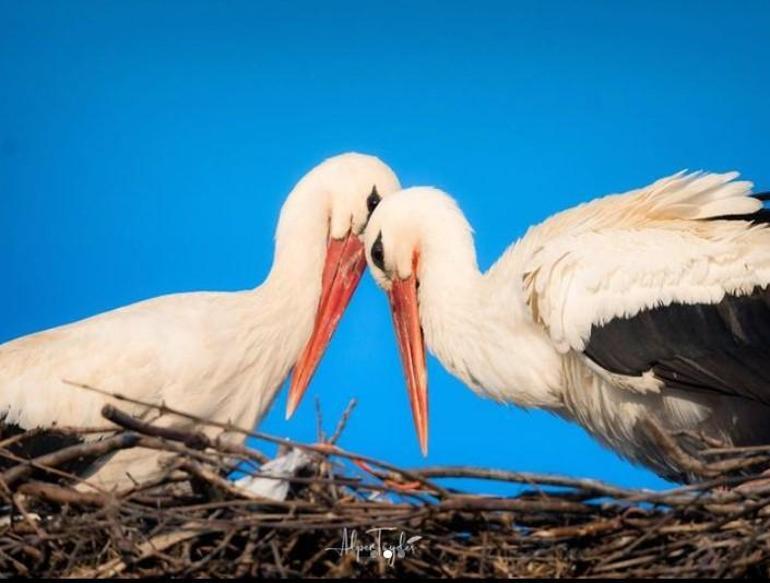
(723, 347)
(34, 444)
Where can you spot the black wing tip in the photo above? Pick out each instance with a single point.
(722, 347)
(31, 444)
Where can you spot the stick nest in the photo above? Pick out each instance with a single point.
(347, 515)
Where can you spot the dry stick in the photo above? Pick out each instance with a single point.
(586, 485)
(514, 505)
(580, 530)
(60, 495)
(191, 439)
(319, 422)
(343, 422)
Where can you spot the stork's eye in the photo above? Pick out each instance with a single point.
(373, 200)
(377, 253)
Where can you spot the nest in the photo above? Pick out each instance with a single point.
(345, 515)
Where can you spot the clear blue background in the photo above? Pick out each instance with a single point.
(146, 148)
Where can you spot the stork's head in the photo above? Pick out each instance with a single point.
(344, 190)
(417, 243)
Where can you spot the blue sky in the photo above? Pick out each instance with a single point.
(146, 148)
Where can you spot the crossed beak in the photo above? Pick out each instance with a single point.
(406, 320)
(345, 263)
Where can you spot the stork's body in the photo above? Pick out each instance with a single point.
(651, 305)
(218, 356)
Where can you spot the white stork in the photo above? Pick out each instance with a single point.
(650, 305)
(218, 356)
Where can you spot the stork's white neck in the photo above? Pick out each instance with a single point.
(301, 239)
(478, 326)
(276, 319)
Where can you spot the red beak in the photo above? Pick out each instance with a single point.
(406, 320)
(345, 263)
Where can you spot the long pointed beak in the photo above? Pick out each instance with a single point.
(406, 320)
(345, 263)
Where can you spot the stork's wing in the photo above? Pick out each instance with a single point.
(671, 279)
(134, 351)
(723, 347)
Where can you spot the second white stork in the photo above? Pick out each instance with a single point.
(217, 356)
(637, 315)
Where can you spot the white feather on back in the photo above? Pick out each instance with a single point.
(621, 254)
(181, 349)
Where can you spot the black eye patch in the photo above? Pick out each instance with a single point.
(373, 200)
(377, 253)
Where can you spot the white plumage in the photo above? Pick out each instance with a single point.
(219, 356)
(651, 304)
(622, 254)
